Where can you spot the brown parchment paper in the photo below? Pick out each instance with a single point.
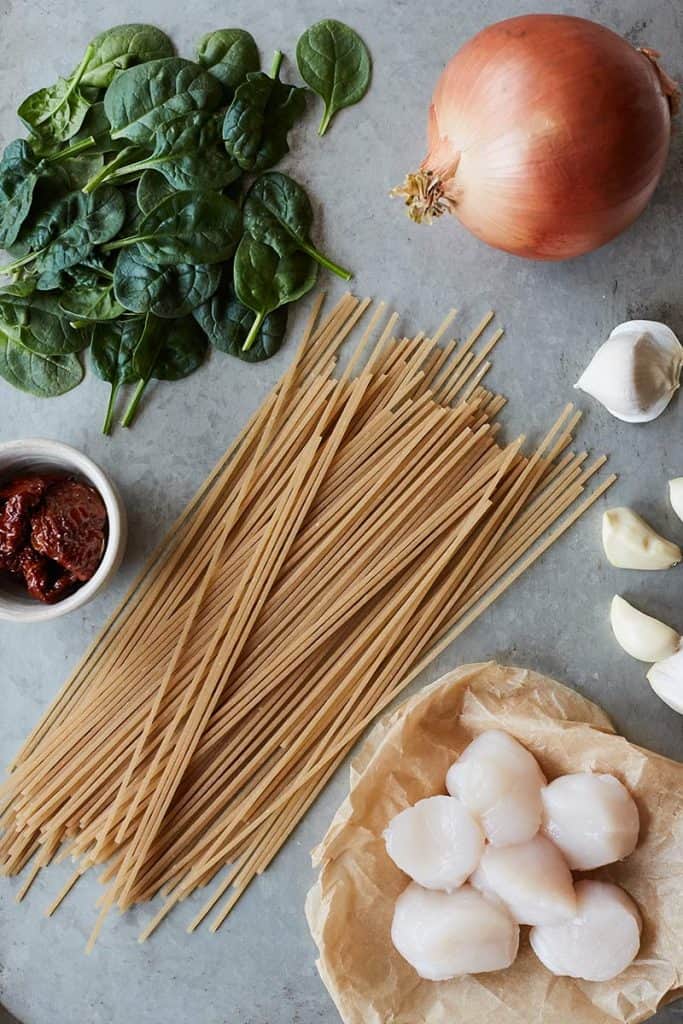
(405, 758)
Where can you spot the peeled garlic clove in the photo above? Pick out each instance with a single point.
(636, 371)
(500, 783)
(444, 935)
(640, 635)
(599, 942)
(666, 679)
(676, 495)
(437, 842)
(532, 880)
(592, 818)
(631, 543)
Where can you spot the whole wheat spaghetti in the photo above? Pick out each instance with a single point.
(359, 523)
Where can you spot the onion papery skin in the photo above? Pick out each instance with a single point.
(547, 136)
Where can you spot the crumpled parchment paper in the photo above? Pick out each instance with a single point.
(405, 758)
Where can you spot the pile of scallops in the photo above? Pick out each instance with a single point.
(499, 852)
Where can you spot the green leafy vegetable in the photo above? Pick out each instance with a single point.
(152, 189)
(167, 292)
(143, 98)
(187, 227)
(122, 47)
(68, 231)
(230, 54)
(260, 117)
(37, 348)
(19, 175)
(40, 375)
(163, 352)
(96, 132)
(56, 113)
(336, 63)
(111, 355)
(276, 204)
(129, 218)
(189, 154)
(226, 323)
(91, 302)
(39, 320)
(269, 274)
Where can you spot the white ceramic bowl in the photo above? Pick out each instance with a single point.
(37, 455)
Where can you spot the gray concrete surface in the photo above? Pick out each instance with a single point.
(260, 968)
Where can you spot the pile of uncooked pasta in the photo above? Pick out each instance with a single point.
(359, 523)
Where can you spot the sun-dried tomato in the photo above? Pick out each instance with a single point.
(52, 533)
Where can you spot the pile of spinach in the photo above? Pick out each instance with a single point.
(142, 217)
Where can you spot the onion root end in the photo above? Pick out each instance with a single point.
(425, 196)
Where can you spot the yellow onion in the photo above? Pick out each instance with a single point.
(547, 136)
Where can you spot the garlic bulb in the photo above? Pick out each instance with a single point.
(636, 371)
(631, 543)
(676, 495)
(666, 679)
(640, 635)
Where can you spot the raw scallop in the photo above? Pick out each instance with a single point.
(437, 842)
(443, 935)
(592, 818)
(500, 782)
(599, 942)
(532, 880)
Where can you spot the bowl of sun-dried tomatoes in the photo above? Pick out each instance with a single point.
(62, 530)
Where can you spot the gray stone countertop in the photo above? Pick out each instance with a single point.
(260, 968)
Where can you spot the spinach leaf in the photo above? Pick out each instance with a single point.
(45, 376)
(96, 130)
(19, 175)
(163, 351)
(336, 63)
(43, 329)
(56, 113)
(152, 189)
(37, 349)
(189, 154)
(67, 232)
(121, 47)
(229, 54)
(276, 204)
(187, 227)
(90, 302)
(167, 292)
(80, 169)
(226, 323)
(159, 92)
(259, 118)
(269, 274)
(111, 355)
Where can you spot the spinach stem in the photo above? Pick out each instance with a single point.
(80, 70)
(28, 258)
(325, 261)
(123, 243)
(253, 331)
(73, 150)
(325, 123)
(275, 66)
(107, 170)
(109, 417)
(129, 414)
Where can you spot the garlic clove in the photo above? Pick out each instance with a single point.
(676, 495)
(631, 543)
(635, 373)
(666, 679)
(640, 635)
